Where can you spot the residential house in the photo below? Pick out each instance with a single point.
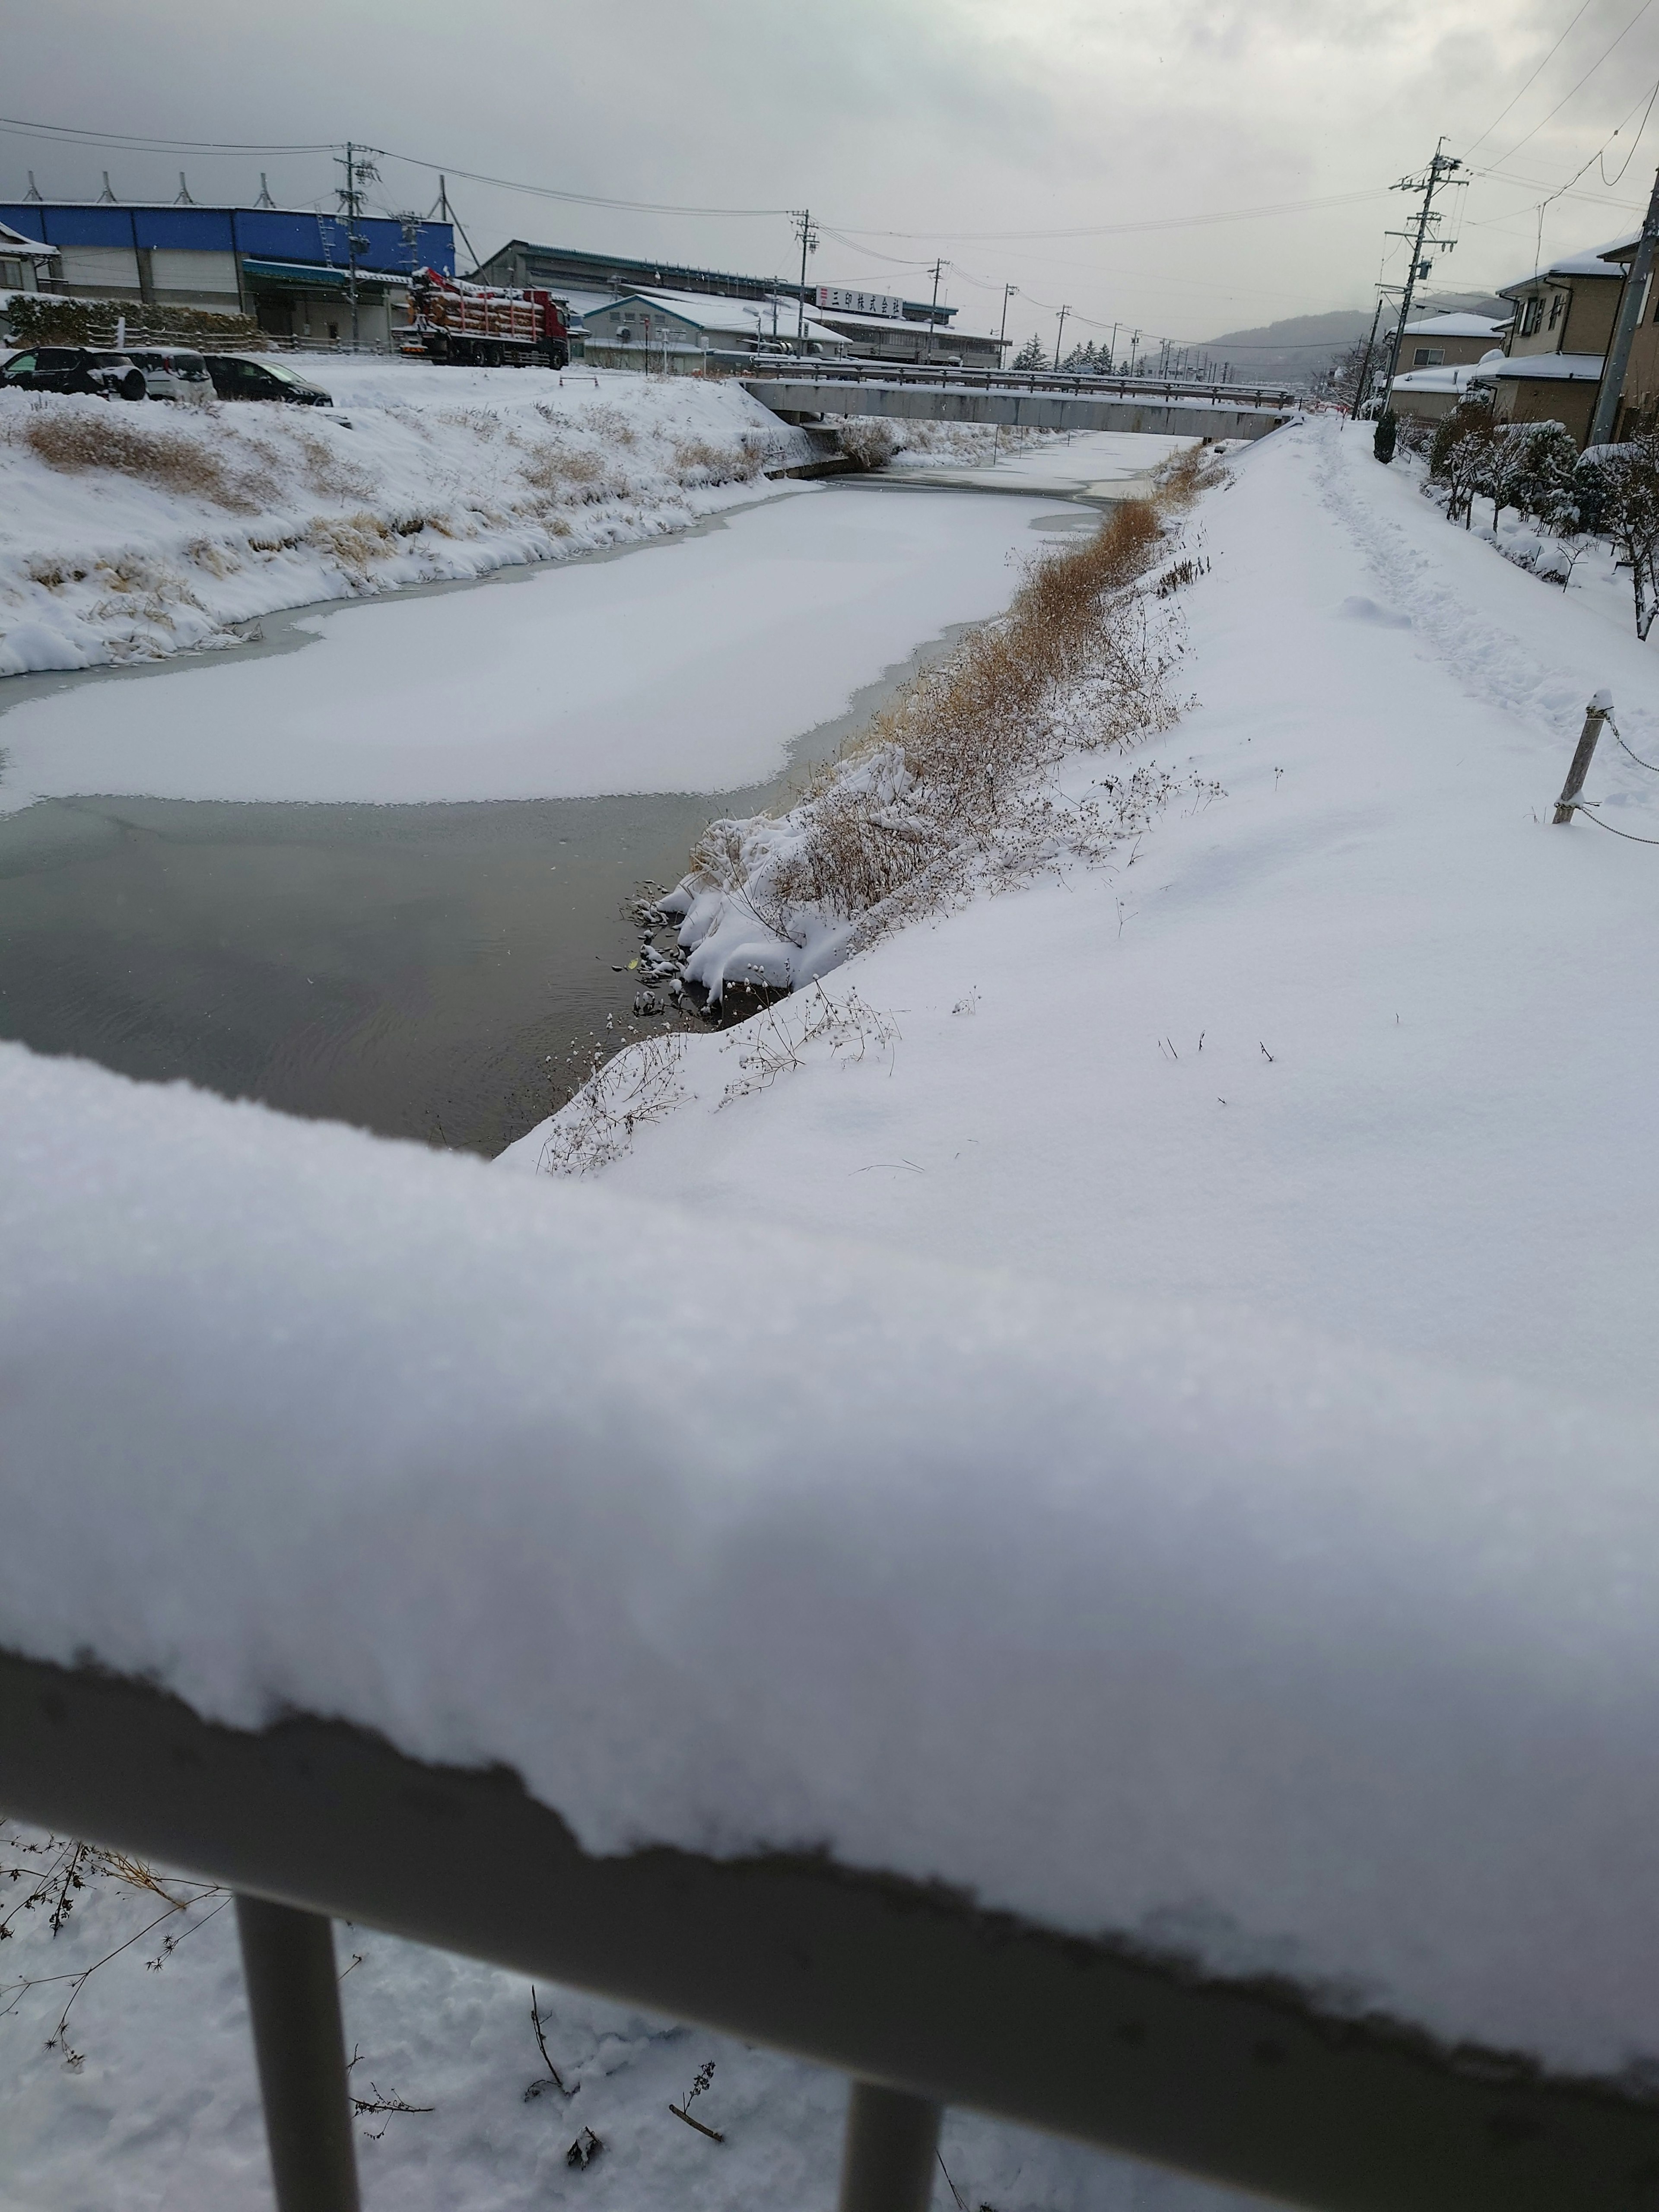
(1450, 341)
(26, 264)
(1564, 323)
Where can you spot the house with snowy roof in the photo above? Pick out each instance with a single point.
(1563, 323)
(685, 331)
(26, 264)
(1451, 341)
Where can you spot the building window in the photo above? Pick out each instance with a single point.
(1428, 356)
(1557, 303)
(1531, 315)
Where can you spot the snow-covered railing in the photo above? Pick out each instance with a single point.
(1165, 1729)
(848, 370)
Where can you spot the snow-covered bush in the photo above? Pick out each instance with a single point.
(946, 787)
(868, 441)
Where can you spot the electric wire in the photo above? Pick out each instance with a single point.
(1587, 808)
(1533, 79)
(1581, 82)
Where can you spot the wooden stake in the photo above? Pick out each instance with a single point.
(1594, 715)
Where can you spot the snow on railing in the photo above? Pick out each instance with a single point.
(1164, 1728)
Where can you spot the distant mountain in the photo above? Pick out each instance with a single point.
(1301, 350)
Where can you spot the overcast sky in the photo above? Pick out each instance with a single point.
(912, 128)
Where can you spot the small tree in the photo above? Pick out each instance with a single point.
(1458, 457)
(1031, 354)
(1507, 467)
(1631, 518)
(1383, 438)
(1548, 483)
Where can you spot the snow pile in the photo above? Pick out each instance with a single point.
(127, 532)
(1258, 1649)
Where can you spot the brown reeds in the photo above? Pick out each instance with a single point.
(99, 438)
(937, 779)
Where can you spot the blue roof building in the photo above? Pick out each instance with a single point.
(287, 267)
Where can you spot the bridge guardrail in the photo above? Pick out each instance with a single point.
(922, 1998)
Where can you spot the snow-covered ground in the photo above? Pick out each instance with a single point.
(126, 532)
(684, 666)
(1165, 1444)
(1420, 1114)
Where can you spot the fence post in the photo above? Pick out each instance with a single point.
(887, 2155)
(294, 1996)
(1594, 715)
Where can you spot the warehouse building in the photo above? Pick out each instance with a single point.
(287, 268)
(875, 325)
(689, 332)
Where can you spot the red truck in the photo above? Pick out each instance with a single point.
(486, 325)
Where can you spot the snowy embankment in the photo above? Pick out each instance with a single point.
(1364, 1043)
(126, 532)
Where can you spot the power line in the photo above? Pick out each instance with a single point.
(576, 199)
(71, 134)
(1581, 82)
(1533, 79)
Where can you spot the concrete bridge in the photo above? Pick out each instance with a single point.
(1170, 410)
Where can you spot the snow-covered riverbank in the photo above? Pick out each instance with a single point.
(1328, 1047)
(127, 532)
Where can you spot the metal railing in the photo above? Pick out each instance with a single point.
(922, 1997)
(935, 374)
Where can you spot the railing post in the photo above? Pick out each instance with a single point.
(293, 1996)
(1594, 715)
(888, 2153)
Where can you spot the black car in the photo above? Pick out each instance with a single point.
(235, 377)
(74, 368)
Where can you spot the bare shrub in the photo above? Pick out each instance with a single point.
(869, 441)
(640, 1085)
(774, 1042)
(84, 439)
(697, 462)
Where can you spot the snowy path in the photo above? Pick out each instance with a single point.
(686, 664)
(1449, 1149)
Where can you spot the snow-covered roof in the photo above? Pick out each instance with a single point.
(1459, 326)
(16, 246)
(746, 319)
(1543, 368)
(1592, 263)
(1452, 377)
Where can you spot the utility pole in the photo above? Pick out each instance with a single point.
(358, 172)
(1008, 292)
(1605, 420)
(939, 268)
(1365, 362)
(1429, 183)
(809, 243)
(1060, 334)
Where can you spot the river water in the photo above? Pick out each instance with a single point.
(377, 866)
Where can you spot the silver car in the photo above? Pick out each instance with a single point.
(172, 371)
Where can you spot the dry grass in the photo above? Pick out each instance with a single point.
(697, 462)
(931, 785)
(83, 439)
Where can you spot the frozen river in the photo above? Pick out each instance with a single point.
(375, 866)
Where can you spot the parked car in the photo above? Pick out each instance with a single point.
(74, 368)
(235, 377)
(172, 371)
